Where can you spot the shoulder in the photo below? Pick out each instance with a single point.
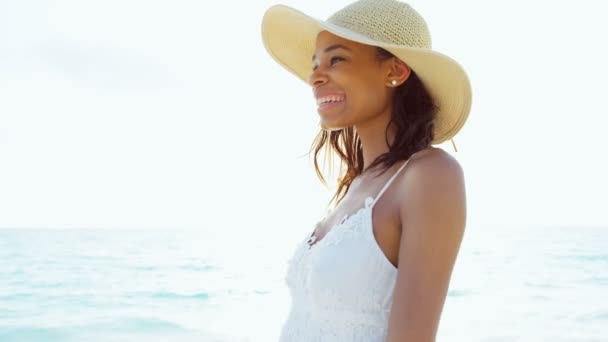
(435, 177)
(433, 218)
(433, 164)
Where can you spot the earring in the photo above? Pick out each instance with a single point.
(394, 82)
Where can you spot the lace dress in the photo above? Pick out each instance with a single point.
(341, 286)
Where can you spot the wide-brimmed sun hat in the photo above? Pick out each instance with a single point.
(290, 36)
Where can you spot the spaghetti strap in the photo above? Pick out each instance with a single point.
(391, 180)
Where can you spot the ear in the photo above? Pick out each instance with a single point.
(399, 71)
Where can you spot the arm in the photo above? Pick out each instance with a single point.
(433, 217)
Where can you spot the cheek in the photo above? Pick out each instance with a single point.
(371, 100)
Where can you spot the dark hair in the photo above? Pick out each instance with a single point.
(412, 116)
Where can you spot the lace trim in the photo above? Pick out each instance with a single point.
(312, 241)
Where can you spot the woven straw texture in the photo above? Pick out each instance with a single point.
(289, 36)
(385, 21)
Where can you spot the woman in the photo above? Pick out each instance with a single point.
(377, 267)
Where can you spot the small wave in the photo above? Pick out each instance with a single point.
(170, 295)
(459, 293)
(17, 296)
(145, 268)
(200, 268)
(593, 316)
(597, 280)
(94, 331)
(26, 334)
(541, 297)
(143, 324)
(586, 257)
(543, 285)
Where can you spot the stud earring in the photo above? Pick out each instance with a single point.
(394, 82)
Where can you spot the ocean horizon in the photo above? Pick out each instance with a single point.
(535, 284)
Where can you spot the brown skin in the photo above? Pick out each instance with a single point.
(419, 222)
(366, 83)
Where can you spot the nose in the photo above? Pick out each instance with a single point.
(317, 77)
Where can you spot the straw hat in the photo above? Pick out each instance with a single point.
(289, 36)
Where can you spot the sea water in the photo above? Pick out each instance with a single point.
(533, 284)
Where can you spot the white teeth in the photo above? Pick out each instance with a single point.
(331, 98)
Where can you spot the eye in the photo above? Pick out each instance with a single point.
(332, 61)
(336, 58)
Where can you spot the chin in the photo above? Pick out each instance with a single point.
(334, 123)
(333, 129)
(332, 126)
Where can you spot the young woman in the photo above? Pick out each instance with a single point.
(378, 266)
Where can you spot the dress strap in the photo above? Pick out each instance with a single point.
(391, 180)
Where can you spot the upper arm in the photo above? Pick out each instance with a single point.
(433, 219)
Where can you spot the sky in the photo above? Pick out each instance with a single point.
(170, 114)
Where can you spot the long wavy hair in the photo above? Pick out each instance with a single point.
(412, 115)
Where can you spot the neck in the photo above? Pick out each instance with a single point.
(374, 138)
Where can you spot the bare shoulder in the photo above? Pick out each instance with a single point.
(434, 167)
(433, 217)
(433, 184)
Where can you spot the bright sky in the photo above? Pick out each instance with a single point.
(170, 114)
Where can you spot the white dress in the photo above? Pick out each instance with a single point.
(341, 287)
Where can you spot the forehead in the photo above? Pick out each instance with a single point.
(325, 36)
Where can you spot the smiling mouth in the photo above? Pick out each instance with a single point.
(329, 101)
(329, 98)
(328, 105)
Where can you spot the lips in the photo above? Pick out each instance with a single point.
(328, 105)
(329, 99)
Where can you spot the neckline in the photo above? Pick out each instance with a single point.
(312, 238)
(368, 204)
(335, 229)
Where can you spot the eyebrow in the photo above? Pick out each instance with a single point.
(332, 47)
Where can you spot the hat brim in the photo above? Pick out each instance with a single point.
(290, 36)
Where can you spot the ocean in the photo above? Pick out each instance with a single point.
(520, 284)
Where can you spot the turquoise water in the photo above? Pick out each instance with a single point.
(536, 284)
